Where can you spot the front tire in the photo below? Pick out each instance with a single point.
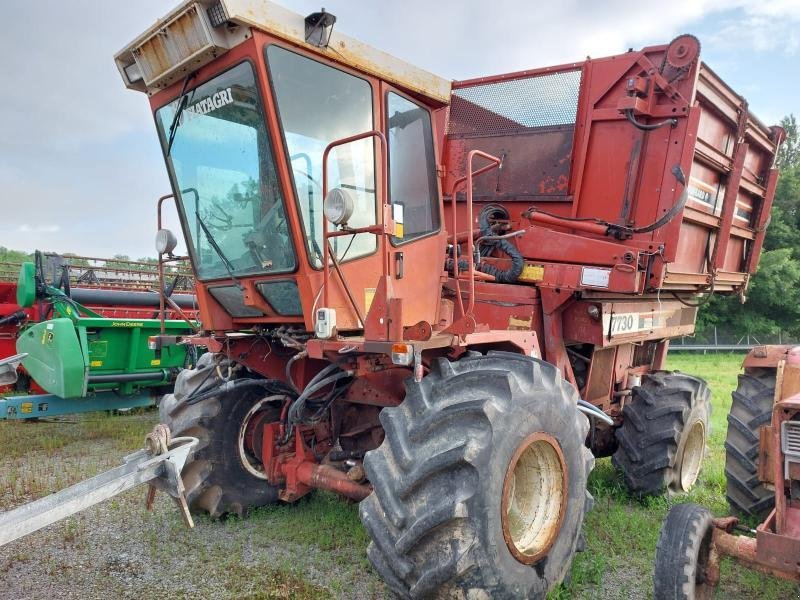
(682, 555)
(219, 477)
(663, 435)
(480, 483)
(751, 409)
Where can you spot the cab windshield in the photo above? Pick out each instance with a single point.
(223, 169)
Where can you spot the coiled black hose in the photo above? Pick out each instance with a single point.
(511, 274)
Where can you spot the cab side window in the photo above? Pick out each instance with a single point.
(412, 168)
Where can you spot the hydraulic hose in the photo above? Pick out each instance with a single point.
(13, 318)
(297, 405)
(648, 127)
(592, 411)
(272, 386)
(677, 207)
(511, 274)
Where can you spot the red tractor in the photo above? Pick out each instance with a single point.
(443, 299)
(762, 467)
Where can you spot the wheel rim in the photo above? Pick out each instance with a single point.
(247, 457)
(534, 497)
(693, 451)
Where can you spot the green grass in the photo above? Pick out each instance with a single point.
(622, 531)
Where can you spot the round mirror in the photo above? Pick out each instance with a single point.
(165, 241)
(338, 206)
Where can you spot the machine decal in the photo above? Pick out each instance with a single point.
(206, 105)
(532, 273)
(624, 323)
(594, 277)
(369, 295)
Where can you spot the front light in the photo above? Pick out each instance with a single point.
(165, 241)
(133, 72)
(338, 206)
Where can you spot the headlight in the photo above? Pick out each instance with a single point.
(165, 241)
(338, 206)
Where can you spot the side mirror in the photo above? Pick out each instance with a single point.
(338, 206)
(165, 241)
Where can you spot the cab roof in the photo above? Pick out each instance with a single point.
(197, 31)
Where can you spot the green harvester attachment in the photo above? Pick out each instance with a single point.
(79, 353)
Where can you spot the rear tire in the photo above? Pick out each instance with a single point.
(682, 555)
(444, 517)
(751, 409)
(216, 478)
(663, 434)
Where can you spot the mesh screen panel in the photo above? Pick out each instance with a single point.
(515, 106)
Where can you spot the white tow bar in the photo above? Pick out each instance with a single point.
(159, 464)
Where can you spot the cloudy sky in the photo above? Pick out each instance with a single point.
(80, 166)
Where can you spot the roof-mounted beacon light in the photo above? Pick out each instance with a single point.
(319, 27)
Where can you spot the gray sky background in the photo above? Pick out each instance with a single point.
(80, 165)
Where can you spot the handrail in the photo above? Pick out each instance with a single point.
(162, 299)
(495, 162)
(376, 229)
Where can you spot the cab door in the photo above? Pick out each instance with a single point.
(417, 256)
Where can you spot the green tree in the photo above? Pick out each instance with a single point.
(14, 256)
(789, 152)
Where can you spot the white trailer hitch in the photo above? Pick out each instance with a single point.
(159, 464)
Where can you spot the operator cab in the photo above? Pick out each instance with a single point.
(244, 136)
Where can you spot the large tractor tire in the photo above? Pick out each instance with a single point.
(682, 555)
(480, 483)
(750, 410)
(220, 476)
(662, 439)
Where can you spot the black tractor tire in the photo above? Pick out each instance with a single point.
(658, 440)
(682, 555)
(214, 476)
(751, 409)
(435, 515)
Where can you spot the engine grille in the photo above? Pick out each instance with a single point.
(790, 438)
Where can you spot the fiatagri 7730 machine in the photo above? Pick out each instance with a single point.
(439, 298)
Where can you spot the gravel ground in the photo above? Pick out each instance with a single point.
(117, 549)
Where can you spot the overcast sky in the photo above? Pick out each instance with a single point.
(80, 166)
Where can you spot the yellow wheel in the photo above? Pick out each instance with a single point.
(694, 448)
(534, 497)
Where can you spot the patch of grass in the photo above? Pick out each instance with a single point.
(321, 519)
(268, 583)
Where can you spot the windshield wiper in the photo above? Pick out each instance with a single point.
(183, 100)
(225, 262)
